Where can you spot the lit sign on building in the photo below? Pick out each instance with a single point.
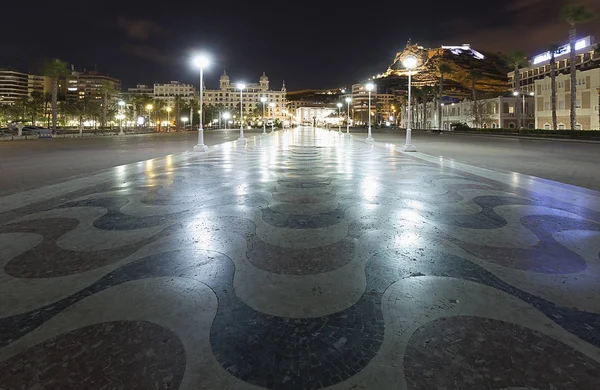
(457, 50)
(563, 50)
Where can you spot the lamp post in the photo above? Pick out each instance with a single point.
(522, 120)
(369, 87)
(241, 87)
(168, 119)
(226, 116)
(272, 105)
(348, 101)
(149, 108)
(442, 121)
(339, 106)
(184, 120)
(263, 100)
(121, 105)
(410, 62)
(120, 118)
(284, 112)
(201, 62)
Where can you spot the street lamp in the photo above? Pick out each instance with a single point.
(184, 120)
(369, 87)
(120, 118)
(263, 100)
(410, 62)
(241, 87)
(339, 105)
(168, 119)
(442, 128)
(201, 62)
(226, 116)
(522, 120)
(272, 105)
(284, 112)
(121, 105)
(348, 101)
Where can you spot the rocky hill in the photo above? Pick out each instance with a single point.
(492, 80)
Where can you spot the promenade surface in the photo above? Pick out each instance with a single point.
(300, 260)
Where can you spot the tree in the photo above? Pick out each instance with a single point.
(36, 105)
(479, 113)
(444, 69)
(55, 69)
(553, 48)
(574, 15)
(475, 75)
(428, 93)
(108, 91)
(517, 60)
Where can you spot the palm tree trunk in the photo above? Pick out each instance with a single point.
(54, 102)
(553, 90)
(440, 101)
(518, 90)
(475, 107)
(104, 109)
(572, 39)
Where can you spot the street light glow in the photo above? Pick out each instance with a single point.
(271, 105)
(370, 86)
(410, 62)
(121, 103)
(515, 93)
(241, 86)
(168, 109)
(201, 61)
(339, 105)
(226, 115)
(263, 99)
(149, 107)
(348, 100)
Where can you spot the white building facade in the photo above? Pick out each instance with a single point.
(496, 113)
(228, 96)
(169, 92)
(587, 107)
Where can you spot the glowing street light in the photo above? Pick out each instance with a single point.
(263, 100)
(226, 116)
(348, 101)
(521, 119)
(184, 119)
(168, 119)
(241, 87)
(201, 62)
(339, 106)
(284, 112)
(369, 87)
(272, 105)
(410, 62)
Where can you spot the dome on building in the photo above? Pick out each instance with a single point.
(224, 77)
(264, 77)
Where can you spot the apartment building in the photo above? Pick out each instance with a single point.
(587, 107)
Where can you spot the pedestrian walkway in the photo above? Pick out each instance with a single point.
(301, 260)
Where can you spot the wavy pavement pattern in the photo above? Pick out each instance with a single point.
(308, 181)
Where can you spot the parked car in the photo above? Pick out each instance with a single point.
(40, 131)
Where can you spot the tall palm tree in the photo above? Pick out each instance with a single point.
(428, 93)
(417, 93)
(574, 15)
(475, 75)
(444, 69)
(517, 60)
(108, 91)
(553, 48)
(55, 69)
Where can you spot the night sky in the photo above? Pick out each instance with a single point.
(308, 44)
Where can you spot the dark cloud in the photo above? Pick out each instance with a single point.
(146, 52)
(140, 29)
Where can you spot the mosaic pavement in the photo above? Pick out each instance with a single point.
(300, 260)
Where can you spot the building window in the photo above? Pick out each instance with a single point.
(511, 109)
(547, 126)
(511, 125)
(561, 126)
(561, 105)
(578, 126)
(546, 106)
